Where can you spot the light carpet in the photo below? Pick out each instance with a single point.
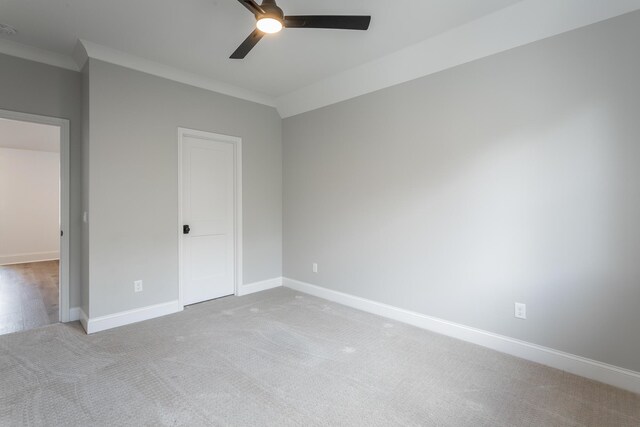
(282, 358)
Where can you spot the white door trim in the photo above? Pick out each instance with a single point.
(63, 124)
(237, 190)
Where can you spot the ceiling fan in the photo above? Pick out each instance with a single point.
(271, 19)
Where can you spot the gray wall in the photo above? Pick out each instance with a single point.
(34, 88)
(86, 113)
(512, 178)
(133, 171)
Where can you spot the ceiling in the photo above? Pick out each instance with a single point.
(29, 136)
(198, 36)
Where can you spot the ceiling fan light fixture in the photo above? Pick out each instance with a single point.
(269, 25)
(271, 19)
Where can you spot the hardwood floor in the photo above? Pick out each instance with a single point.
(28, 296)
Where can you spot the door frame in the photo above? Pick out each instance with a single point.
(236, 142)
(63, 125)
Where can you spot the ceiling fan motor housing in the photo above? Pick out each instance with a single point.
(271, 10)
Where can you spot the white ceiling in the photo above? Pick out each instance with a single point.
(29, 136)
(199, 35)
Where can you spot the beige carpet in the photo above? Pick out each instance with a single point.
(281, 358)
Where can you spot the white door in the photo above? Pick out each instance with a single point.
(208, 241)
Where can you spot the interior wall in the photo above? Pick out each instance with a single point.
(84, 270)
(513, 178)
(133, 183)
(35, 88)
(29, 205)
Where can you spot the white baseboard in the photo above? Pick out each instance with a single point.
(609, 374)
(259, 286)
(75, 314)
(30, 257)
(97, 324)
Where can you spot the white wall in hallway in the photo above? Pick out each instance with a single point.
(29, 205)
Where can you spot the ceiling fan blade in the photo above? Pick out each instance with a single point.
(247, 44)
(252, 6)
(349, 22)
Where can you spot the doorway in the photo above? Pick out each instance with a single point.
(34, 241)
(210, 222)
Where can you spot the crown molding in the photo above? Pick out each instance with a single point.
(79, 55)
(31, 53)
(113, 56)
(522, 23)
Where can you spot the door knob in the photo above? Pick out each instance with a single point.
(186, 229)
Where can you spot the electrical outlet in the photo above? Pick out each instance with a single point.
(314, 267)
(137, 286)
(521, 310)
